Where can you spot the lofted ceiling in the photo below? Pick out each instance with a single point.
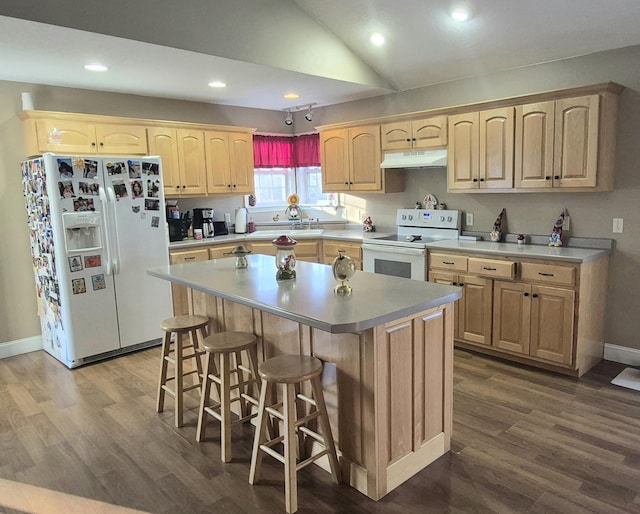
(318, 48)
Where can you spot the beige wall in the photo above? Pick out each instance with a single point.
(591, 213)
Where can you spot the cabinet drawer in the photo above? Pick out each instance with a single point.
(448, 261)
(548, 273)
(491, 268)
(307, 249)
(221, 252)
(330, 250)
(188, 256)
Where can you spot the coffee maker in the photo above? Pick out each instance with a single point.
(203, 219)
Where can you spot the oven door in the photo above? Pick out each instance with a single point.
(395, 261)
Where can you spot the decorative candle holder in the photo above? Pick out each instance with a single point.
(285, 257)
(240, 253)
(343, 268)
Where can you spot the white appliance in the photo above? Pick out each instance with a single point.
(405, 254)
(415, 159)
(96, 225)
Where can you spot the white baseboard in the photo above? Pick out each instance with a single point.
(20, 346)
(622, 354)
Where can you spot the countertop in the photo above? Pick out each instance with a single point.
(559, 253)
(309, 298)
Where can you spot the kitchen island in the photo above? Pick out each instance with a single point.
(387, 350)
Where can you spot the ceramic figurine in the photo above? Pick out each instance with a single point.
(367, 225)
(555, 239)
(418, 205)
(496, 232)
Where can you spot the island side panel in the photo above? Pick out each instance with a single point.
(414, 373)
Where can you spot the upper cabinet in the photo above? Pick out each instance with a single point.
(183, 160)
(557, 144)
(351, 160)
(415, 134)
(79, 137)
(481, 150)
(229, 157)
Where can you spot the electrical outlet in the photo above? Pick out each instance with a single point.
(469, 220)
(566, 224)
(617, 225)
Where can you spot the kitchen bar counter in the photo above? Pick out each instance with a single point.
(387, 350)
(560, 253)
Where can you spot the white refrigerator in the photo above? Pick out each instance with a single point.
(96, 225)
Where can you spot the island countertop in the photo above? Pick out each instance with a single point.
(309, 298)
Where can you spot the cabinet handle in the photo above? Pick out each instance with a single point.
(545, 274)
(481, 180)
(547, 177)
(461, 284)
(184, 187)
(101, 144)
(526, 294)
(413, 139)
(446, 262)
(475, 180)
(489, 269)
(177, 187)
(534, 295)
(556, 177)
(454, 284)
(189, 258)
(408, 139)
(346, 183)
(93, 144)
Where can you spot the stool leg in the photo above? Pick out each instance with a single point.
(225, 406)
(259, 437)
(179, 381)
(241, 388)
(290, 479)
(323, 422)
(204, 397)
(196, 352)
(166, 342)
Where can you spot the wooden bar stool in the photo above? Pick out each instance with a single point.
(291, 371)
(234, 376)
(180, 325)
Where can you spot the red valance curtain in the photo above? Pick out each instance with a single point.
(285, 151)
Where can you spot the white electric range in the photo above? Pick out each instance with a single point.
(405, 253)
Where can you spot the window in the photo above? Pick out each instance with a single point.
(285, 165)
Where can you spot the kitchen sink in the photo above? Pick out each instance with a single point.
(294, 234)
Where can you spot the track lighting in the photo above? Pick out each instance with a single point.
(309, 115)
(289, 119)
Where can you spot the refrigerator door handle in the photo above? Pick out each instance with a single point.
(107, 232)
(116, 243)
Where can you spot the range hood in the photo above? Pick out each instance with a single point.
(417, 159)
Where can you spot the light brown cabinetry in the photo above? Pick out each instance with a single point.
(221, 251)
(545, 313)
(481, 150)
(229, 157)
(306, 250)
(332, 247)
(183, 159)
(415, 134)
(351, 159)
(80, 137)
(180, 293)
(557, 143)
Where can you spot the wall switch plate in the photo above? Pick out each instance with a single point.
(469, 220)
(617, 225)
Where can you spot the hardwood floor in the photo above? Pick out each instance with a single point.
(523, 441)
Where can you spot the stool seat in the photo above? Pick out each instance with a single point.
(175, 352)
(287, 369)
(183, 323)
(304, 419)
(233, 376)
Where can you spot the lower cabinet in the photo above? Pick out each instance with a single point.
(332, 247)
(548, 314)
(306, 250)
(180, 293)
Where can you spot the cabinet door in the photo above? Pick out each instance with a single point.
(180, 294)
(191, 156)
(242, 164)
(450, 279)
(66, 136)
(534, 145)
(552, 311)
(464, 141)
(511, 316)
(397, 136)
(218, 162)
(365, 158)
(476, 311)
(334, 156)
(429, 132)
(121, 139)
(576, 141)
(496, 148)
(163, 142)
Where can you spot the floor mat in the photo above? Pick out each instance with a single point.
(629, 378)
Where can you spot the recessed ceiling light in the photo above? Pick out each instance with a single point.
(291, 96)
(377, 39)
(95, 67)
(461, 11)
(217, 83)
